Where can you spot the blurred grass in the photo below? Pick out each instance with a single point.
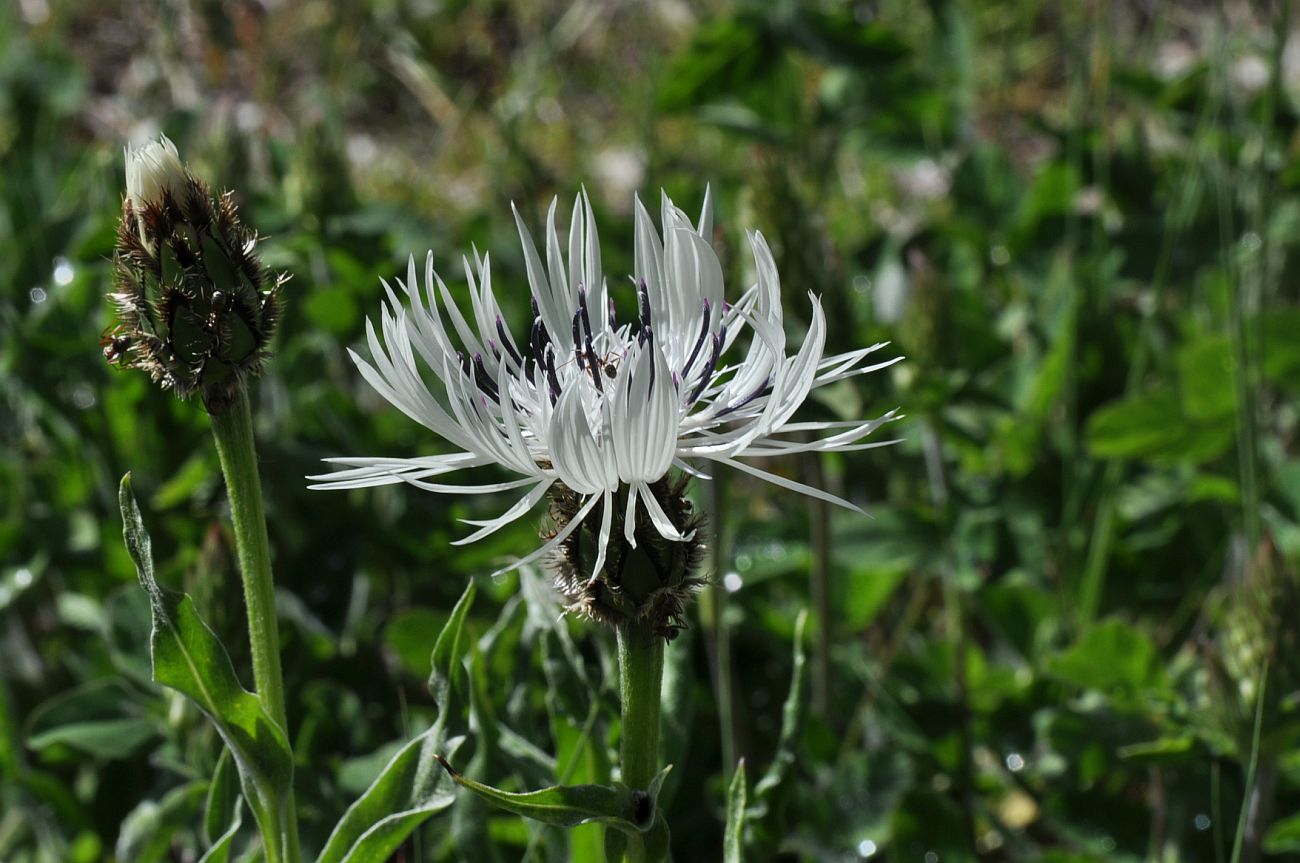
(1078, 223)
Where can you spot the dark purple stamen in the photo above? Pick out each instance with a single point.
(593, 365)
(505, 342)
(552, 382)
(699, 343)
(762, 388)
(539, 337)
(484, 380)
(707, 374)
(577, 343)
(613, 322)
(582, 309)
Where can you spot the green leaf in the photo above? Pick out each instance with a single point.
(792, 715)
(406, 792)
(733, 836)
(1113, 657)
(219, 852)
(149, 830)
(1166, 750)
(92, 719)
(1280, 355)
(1284, 836)
(188, 657)
(628, 809)
(411, 635)
(222, 805)
(1205, 379)
(1154, 425)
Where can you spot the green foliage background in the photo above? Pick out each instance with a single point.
(1077, 221)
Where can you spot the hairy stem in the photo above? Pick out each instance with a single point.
(233, 430)
(640, 677)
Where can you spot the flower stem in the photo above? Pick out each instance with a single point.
(640, 674)
(233, 429)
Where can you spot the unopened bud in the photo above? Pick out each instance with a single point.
(196, 308)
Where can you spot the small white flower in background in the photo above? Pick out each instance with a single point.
(605, 407)
(152, 170)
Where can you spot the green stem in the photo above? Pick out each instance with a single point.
(233, 430)
(640, 677)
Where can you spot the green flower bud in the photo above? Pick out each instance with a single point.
(195, 306)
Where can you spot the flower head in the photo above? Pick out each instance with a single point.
(599, 410)
(195, 306)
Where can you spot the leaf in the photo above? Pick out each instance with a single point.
(90, 719)
(1112, 657)
(149, 830)
(1205, 379)
(627, 809)
(792, 715)
(741, 66)
(1284, 836)
(1165, 750)
(219, 852)
(188, 658)
(405, 793)
(222, 805)
(1154, 425)
(411, 635)
(733, 836)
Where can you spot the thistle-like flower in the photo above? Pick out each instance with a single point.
(195, 306)
(598, 412)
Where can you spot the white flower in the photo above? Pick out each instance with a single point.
(152, 170)
(597, 404)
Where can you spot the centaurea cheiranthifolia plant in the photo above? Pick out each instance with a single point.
(608, 417)
(196, 310)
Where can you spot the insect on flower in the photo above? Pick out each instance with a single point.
(595, 410)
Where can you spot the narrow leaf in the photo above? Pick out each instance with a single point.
(406, 792)
(628, 809)
(733, 837)
(792, 715)
(221, 848)
(188, 657)
(150, 829)
(222, 805)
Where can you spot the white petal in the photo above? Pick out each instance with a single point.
(790, 484)
(629, 516)
(555, 540)
(602, 541)
(518, 509)
(660, 518)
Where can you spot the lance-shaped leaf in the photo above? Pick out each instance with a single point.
(222, 806)
(733, 836)
(406, 791)
(628, 809)
(221, 848)
(188, 658)
(792, 715)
